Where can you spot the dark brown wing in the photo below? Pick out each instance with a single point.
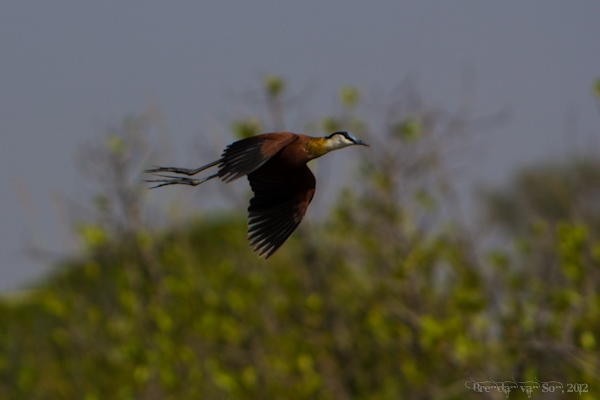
(281, 197)
(244, 156)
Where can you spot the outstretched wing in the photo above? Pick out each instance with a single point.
(281, 197)
(247, 155)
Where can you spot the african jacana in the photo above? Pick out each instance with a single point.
(283, 185)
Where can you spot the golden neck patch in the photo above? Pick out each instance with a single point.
(317, 147)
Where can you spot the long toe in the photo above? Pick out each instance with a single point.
(162, 169)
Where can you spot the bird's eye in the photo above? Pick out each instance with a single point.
(350, 137)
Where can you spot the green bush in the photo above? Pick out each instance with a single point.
(388, 297)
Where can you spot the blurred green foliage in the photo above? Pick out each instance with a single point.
(274, 86)
(245, 128)
(385, 298)
(349, 96)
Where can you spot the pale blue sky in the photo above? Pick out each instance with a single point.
(70, 68)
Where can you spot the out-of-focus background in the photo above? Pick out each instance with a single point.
(72, 70)
(461, 250)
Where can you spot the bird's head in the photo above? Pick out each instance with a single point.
(339, 140)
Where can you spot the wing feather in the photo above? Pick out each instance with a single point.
(281, 197)
(247, 155)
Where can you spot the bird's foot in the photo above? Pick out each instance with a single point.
(175, 170)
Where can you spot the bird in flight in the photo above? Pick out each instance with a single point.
(283, 185)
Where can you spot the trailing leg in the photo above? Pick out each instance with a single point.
(177, 180)
(185, 171)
